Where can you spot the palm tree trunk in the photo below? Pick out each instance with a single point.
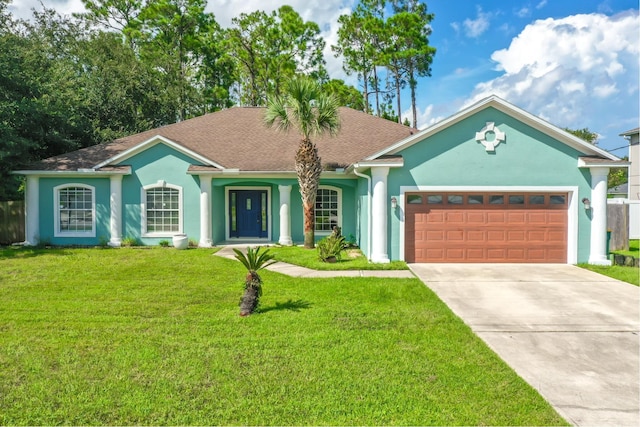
(308, 169)
(251, 297)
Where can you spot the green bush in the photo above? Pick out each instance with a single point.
(129, 241)
(330, 247)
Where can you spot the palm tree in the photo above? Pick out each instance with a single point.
(311, 112)
(253, 261)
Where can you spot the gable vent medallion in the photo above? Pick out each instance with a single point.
(495, 137)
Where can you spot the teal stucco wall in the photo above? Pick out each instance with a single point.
(46, 219)
(159, 163)
(452, 157)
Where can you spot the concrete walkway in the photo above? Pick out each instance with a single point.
(570, 333)
(297, 271)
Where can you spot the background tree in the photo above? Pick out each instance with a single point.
(271, 48)
(118, 15)
(35, 121)
(413, 25)
(311, 112)
(172, 37)
(387, 35)
(355, 47)
(346, 95)
(584, 134)
(617, 176)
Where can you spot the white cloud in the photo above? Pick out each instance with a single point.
(23, 8)
(604, 91)
(321, 12)
(559, 68)
(476, 27)
(523, 12)
(542, 4)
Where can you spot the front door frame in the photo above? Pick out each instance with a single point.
(227, 219)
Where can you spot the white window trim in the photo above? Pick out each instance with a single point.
(57, 232)
(337, 190)
(572, 208)
(143, 210)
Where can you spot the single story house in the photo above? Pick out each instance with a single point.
(492, 183)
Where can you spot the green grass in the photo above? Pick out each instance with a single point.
(298, 255)
(153, 337)
(634, 249)
(626, 274)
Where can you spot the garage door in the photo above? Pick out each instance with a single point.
(486, 227)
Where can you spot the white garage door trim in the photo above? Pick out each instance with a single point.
(572, 211)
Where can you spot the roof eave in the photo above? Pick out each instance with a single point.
(77, 172)
(595, 162)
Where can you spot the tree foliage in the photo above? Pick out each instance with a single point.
(270, 49)
(391, 38)
(584, 134)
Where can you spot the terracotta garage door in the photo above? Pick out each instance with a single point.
(486, 227)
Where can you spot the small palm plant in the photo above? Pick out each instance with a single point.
(254, 260)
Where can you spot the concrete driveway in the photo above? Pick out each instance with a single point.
(570, 333)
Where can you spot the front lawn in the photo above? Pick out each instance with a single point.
(626, 274)
(351, 259)
(153, 337)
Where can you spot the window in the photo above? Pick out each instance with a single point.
(162, 210)
(328, 209)
(536, 199)
(414, 199)
(475, 199)
(75, 211)
(454, 199)
(496, 200)
(516, 200)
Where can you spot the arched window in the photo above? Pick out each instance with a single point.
(328, 209)
(75, 209)
(161, 210)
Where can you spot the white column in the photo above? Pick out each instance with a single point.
(598, 251)
(379, 215)
(32, 220)
(206, 240)
(285, 215)
(115, 223)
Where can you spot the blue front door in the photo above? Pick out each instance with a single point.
(248, 213)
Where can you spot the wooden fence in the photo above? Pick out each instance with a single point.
(618, 225)
(11, 222)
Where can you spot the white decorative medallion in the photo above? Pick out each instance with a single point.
(490, 136)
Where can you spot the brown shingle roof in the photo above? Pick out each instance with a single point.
(237, 138)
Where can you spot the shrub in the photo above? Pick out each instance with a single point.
(129, 241)
(253, 261)
(330, 248)
(164, 243)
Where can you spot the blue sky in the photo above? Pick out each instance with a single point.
(574, 63)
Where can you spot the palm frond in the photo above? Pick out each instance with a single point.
(254, 260)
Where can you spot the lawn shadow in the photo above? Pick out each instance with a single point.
(7, 252)
(289, 305)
